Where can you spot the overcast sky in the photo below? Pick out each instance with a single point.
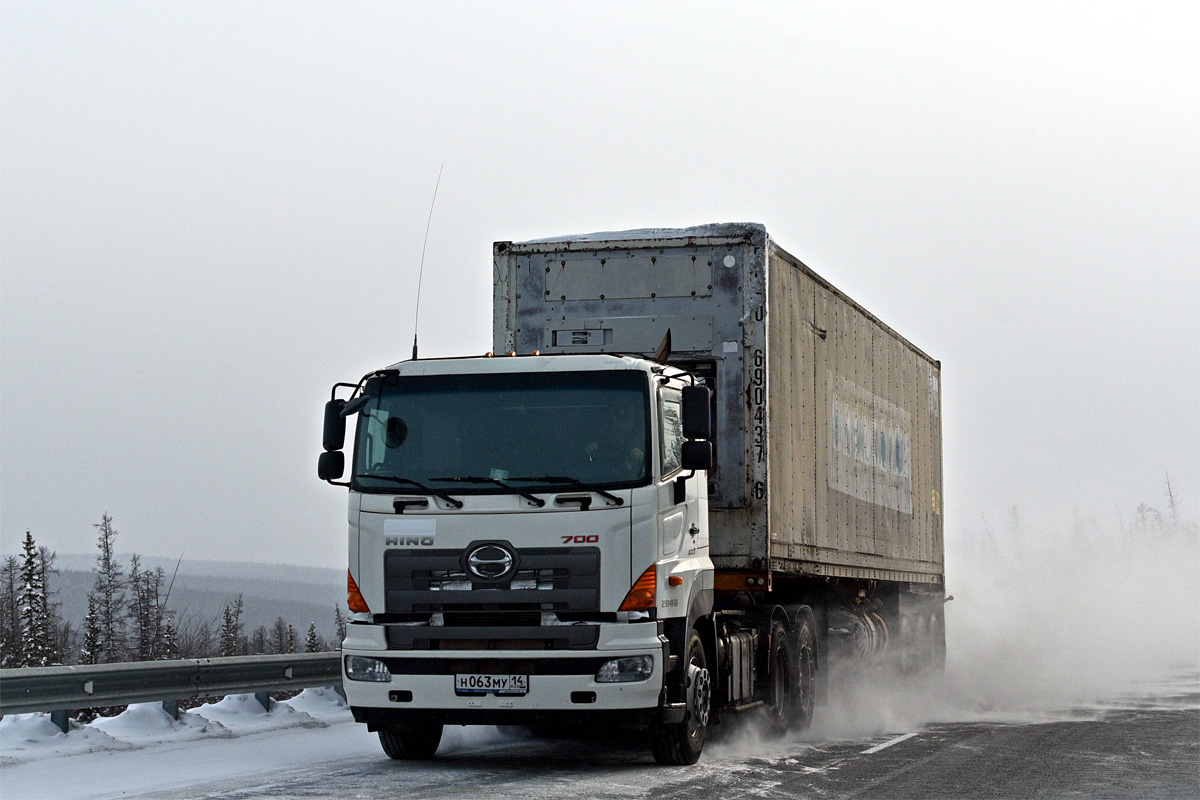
(212, 212)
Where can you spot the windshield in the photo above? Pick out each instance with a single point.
(523, 428)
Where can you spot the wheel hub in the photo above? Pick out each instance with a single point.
(700, 695)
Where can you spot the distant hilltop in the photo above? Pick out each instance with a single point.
(250, 570)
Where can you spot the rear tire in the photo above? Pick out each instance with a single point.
(413, 741)
(793, 678)
(681, 743)
(782, 696)
(805, 676)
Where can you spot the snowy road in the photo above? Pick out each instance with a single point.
(1131, 755)
(1139, 747)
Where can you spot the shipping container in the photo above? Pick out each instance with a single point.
(828, 422)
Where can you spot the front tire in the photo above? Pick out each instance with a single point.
(412, 741)
(681, 743)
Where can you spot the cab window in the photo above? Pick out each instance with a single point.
(670, 413)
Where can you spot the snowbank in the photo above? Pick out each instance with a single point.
(28, 737)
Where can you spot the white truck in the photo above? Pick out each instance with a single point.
(690, 478)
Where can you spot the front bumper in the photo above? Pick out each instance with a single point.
(562, 685)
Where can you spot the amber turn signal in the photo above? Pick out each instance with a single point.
(642, 594)
(354, 598)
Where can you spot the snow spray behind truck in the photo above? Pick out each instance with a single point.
(691, 479)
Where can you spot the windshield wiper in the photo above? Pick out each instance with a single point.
(410, 482)
(578, 484)
(537, 501)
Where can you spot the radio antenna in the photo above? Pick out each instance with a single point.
(421, 271)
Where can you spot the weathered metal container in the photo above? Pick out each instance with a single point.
(828, 422)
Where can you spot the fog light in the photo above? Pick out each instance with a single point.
(366, 669)
(626, 670)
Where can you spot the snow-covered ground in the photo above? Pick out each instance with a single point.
(29, 737)
(221, 738)
(235, 748)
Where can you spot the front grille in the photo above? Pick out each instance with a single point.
(567, 665)
(429, 637)
(459, 581)
(483, 619)
(546, 579)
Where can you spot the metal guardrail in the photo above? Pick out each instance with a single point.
(57, 689)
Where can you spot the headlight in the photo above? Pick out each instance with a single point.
(626, 670)
(366, 669)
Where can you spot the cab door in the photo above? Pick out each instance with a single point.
(682, 534)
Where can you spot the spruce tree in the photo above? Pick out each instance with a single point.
(170, 641)
(90, 653)
(37, 648)
(339, 625)
(231, 641)
(228, 645)
(312, 642)
(109, 590)
(10, 613)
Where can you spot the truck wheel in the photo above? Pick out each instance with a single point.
(805, 676)
(782, 676)
(681, 742)
(411, 741)
(793, 678)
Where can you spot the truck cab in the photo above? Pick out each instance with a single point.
(528, 545)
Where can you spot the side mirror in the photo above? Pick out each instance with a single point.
(697, 456)
(352, 407)
(697, 417)
(331, 465)
(334, 437)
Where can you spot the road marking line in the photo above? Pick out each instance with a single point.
(888, 743)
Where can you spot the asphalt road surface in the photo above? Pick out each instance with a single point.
(1147, 749)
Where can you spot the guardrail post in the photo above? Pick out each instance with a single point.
(172, 708)
(341, 690)
(264, 698)
(62, 719)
